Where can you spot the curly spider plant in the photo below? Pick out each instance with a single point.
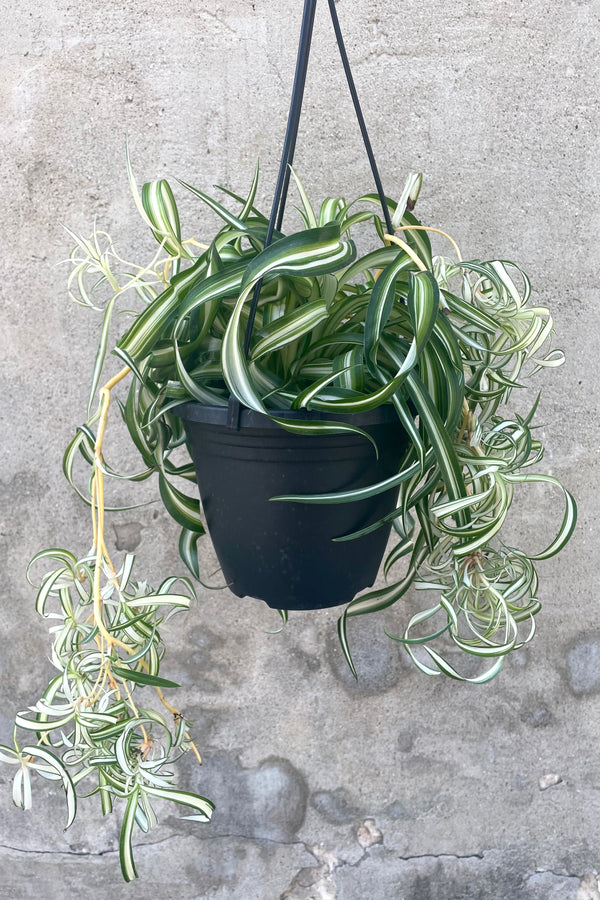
(444, 341)
(441, 341)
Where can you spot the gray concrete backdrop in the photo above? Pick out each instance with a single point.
(400, 787)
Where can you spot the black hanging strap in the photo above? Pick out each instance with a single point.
(287, 156)
(283, 179)
(289, 145)
(359, 116)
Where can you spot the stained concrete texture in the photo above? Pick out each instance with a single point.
(398, 787)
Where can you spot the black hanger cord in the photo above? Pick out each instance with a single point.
(359, 116)
(289, 145)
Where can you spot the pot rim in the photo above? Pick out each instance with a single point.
(193, 411)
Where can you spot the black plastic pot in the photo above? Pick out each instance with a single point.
(283, 552)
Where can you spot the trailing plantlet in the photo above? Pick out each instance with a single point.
(87, 731)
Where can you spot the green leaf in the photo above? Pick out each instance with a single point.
(320, 426)
(105, 797)
(160, 206)
(204, 807)
(101, 352)
(380, 305)
(249, 203)
(185, 510)
(423, 302)
(409, 196)
(569, 518)
(48, 588)
(192, 388)
(418, 240)
(188, 550)
(125, 846)
(330, 210)
(160, 600)
(375, 601)
(225, 283)
(148, 326)
(351, 496)
(343, 638)
(56, 765)
(8, 755)
(234, 221)
(41, 726)
(376, 259)
(233, 360)
(125, 571)
(309, 213)
(445, 668)
(141, 677)
(289, 328)
(315, 251)
(441, 443)
(54, 553)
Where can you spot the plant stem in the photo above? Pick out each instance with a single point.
(176, 714)
(392, 239)
(98, 508)
(435, 231)
(103, 556)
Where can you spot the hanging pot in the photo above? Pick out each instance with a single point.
(283, 552)
(280, 551)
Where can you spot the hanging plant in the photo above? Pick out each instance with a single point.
(439, 342)
(407, 358)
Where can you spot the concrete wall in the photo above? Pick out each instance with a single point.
(400, 786)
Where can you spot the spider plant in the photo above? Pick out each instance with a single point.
(443, 340)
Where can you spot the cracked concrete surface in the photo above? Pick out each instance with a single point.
(395, 787)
